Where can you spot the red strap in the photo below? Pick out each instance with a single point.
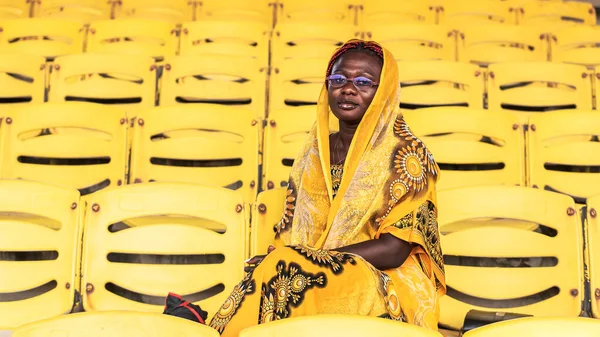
(185, 305)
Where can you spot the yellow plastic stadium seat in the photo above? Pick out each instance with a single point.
(22, 79)
(238, 10)
(285, 135)
(413, 42)
(14, 9)
(317, 10)
(164, 10)
(440, 83)
(560, 145)
(473, 147)
(476, 11)
(337, 325)
(208, 144)
(556, 13)
(241, 38)
(78, 10)
(38, 236)
(540, 327)
(384, 11)
(133, 36)
(266, 213)
(577, 44)
(221, 79)
(42, 37)
(77, 145)
(501, 266)
(534, 87)
(308, 40)
(143, 241)
(593, 240)
(296, 82)
(126, 81)
(115, 323)
(493, 43)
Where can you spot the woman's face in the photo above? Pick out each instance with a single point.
(348, 103)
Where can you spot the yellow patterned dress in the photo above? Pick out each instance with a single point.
(387, 187)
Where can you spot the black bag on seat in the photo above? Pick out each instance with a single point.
(178, 307)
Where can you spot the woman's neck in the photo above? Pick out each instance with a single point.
(346, 134)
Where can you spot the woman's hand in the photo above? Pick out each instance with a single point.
(253, 262)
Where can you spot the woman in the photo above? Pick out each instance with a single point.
(363, 242)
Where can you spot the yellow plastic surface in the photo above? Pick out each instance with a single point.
(413, 42)
(174, 11)
(35, 217)
(577, 44)
(456, 83)
(574, 86)
(337, 325)
(317, 10)
(222, 37)
(79, 131)
(397, 11)
(516, 288)
(30, 85)
(46, 37)
(107, 76)
(480, 11)
(133, 36)
(492, 43)
(565, 138)
(296, 81)
(13, 9)
(266, 213)
(117, 324)
(215, 79)
(540, 327)
(238, 10)
(285, 134)
(166, 219)
(295, 39)
(593, 248)
(198, 132)
(464, 129)
(78, 10)
(556, 13)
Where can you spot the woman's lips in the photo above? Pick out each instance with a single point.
(347, 105)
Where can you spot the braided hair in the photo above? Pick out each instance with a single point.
(355, 45)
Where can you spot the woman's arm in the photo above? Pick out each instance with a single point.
(387, 252)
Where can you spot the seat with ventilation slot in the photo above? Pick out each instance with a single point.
(39, 255)
(340, 11)
(143, 241)
(540, 326)
(413, 42)
(22, 79)
(126, 81)
(534, 87)
(174, 11)
(14, 9)
(556, 13)
(76, 145)
(440, 83)
(266, 213)
(593, 247)
(83, 11)
(208, 144)
(493, 263)
(219, 79)
(476, 11)
(384, 11)
(561, 150)
(237, 10)
(473, 147)
(577, 44)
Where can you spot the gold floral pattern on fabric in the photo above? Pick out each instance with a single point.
(288, 211)
(410, 164)
(391, 299)
(233, 302)
(402, 130)
(286, 291)
(321, 257)
(426, 223)
(336, 178)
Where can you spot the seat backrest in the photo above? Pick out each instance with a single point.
(133, 36)
(540, 326)
(39, 240)
(340, 11)
(10, 9)
(238, 10)
(22, 79)
(218, 79)
(46, 37)
(83, 11)
(480, 11)
(556, 12)
(593, 247)
(509, 249)
(529, 87)
(559, 149)
(577, 44)
(492, 43)
(413, 41)
(473, 147)
(76, 145)
(440, 83)
(174, 11)
(337, 325)
(116, 323)
(223, 37)
(126, 81)
(206, 144)
(397, 11)
(266, 213)
(143, 241)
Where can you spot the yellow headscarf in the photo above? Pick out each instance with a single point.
(388, 180)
